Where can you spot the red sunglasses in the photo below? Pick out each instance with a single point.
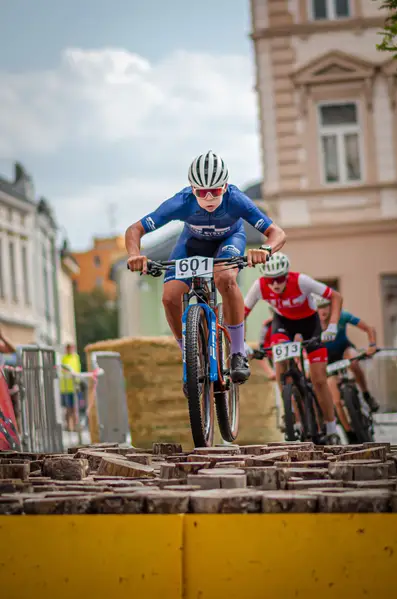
(280, 279)
(215, 192)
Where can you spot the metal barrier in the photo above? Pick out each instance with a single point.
(111, 397)
(40, 401)
(38, 373)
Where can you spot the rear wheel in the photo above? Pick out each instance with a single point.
(199, 386)
(226, 400)
(358, 421)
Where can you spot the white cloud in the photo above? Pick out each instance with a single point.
(164, 113)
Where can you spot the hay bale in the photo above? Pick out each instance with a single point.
(157, 408)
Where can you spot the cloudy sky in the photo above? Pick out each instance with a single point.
(106, 102)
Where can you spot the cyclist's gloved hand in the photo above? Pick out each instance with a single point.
(330, 333)
(372, 349)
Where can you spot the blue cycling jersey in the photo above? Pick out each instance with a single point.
(226, 220)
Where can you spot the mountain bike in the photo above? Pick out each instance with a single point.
(206, 348)
(303, 417)
(356, 418)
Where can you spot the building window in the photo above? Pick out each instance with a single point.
(340, 142)
(333, 283)
(330, 9)
(25, 275)
(14, 291)
(97, 261)
(99, 282)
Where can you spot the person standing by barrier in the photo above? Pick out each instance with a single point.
(72, 361)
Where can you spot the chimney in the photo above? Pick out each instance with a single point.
(23, 182)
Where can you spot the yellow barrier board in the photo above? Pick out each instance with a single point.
(275, 556)
(327, 556)
(91, 557)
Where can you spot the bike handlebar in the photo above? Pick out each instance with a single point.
(155, 267)
(259, 354)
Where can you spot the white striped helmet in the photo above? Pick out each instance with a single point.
(208, 171)
(276, 266)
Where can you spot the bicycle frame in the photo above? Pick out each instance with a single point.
(304, 385)
(207, 299)
(198, 290)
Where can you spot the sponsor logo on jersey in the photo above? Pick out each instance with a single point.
(231, 249)
(150, 223)
(208, 230)
(259, 224)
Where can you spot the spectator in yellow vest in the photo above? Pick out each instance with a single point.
(72, 361)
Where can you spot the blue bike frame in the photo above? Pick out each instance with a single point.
(211, 322)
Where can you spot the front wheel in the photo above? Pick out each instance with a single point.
(226, 392)
(289, 392)
(199, 386)
(358, 422)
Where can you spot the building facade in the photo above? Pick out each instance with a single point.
(95, 263)
(33, 287)
(17, 247)
(328, 121)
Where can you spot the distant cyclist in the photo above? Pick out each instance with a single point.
(213, 212)
(290, 294)
(342, 348)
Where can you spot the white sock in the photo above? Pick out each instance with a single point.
(331, 427)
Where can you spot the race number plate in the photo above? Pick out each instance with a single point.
(197, 266)
(285, 351)
(339, 365)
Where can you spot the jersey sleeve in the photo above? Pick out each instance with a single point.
(252, 297)
(246, 209)
(308, 285)
(349, 318)
(172, 209)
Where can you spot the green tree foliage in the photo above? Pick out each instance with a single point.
(96, 320)
(389, 32)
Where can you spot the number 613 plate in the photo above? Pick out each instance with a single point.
(197, 266)
(285, 351)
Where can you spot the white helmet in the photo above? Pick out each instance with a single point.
(208, 171)
(321, 301)
(276, 266)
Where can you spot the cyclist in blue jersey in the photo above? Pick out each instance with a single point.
(213, 212)
(342, 348)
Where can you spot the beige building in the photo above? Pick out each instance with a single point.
(36, 287)
(328, 122)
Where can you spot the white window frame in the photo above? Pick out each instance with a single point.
(331, 14)
(340, 131)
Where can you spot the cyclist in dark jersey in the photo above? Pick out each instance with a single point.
(342, 348)
(213, 213)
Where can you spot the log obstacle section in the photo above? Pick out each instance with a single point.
(276, 520)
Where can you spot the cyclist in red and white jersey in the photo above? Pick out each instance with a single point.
(290, 296)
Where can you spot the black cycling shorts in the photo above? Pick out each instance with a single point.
(307, 327)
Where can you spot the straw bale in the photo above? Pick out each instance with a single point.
(157, 408)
